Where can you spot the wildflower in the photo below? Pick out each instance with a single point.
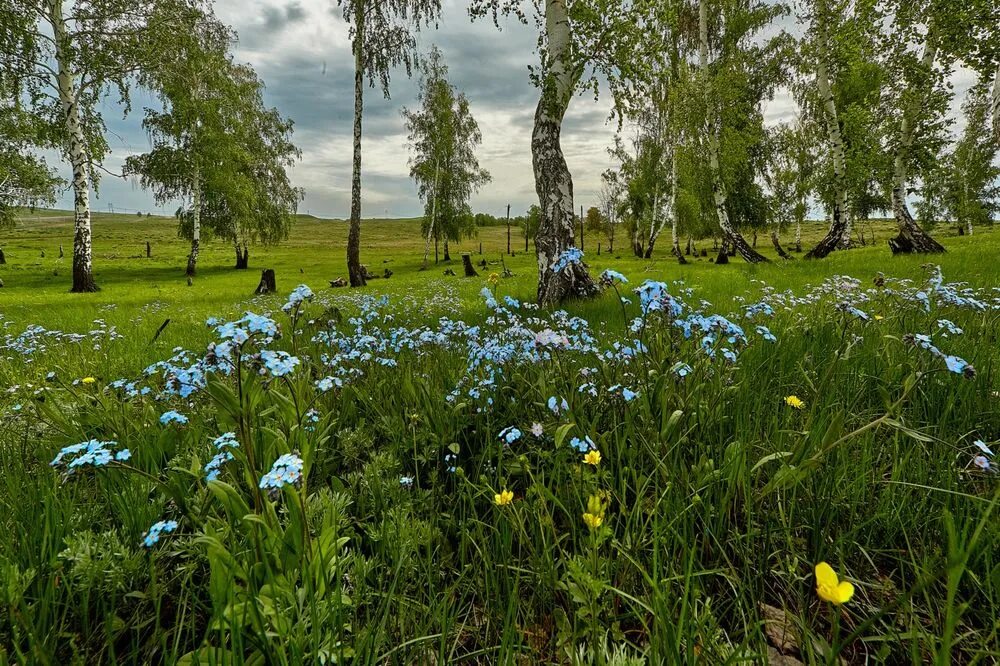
(582, 445)
(406, 481)
(92, 453)
(795, 402)
(556, 406)
(173, 417)
(88, 380)
(570, 256)
(982, 462)
(493, 279)
(593, 517)
(286, 470)
(298, 296)
(152, 537)
(510, 434)
(878, 317)
(537, 430)
(593, 521)
(592, 457)
(981, 445)
(503, 498)
(278, 363)
(829, 587)
(610, 277)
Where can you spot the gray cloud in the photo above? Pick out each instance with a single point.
(301, 50)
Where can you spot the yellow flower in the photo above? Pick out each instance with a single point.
(794, 401)
(593, 521)
(503, 498)
(592, 458)
(88, 380)
(830, 588)
(879, 317)
(493, 278)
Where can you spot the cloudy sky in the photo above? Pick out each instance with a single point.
(301, 50)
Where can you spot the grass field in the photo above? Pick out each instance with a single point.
(751, 422)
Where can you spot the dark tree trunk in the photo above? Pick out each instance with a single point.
(192, 257)
(447, 255)
(149, 250)
(911, 238)
(777, 245)
(3, 257)
(470, 270)
(355, 273)
(242, 257)
(754, 240)
(267, 282)
(833, 237)
(688, 250)
(723, 257)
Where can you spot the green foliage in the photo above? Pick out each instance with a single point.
(25, 179)
(215, 134)
(443, 137)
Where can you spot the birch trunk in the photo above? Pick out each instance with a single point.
(911, 237)
(995, 106)
(654, 224)
(430, 228)
(553, 181)
(675, 241)
(846, 240)
(355, 273)
(76, 149)
(195, 224)
(776, 242)
(718, 187)
(835, 236)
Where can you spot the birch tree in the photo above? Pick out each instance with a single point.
(25, 178)
(580, 42)
(737, 70)
(70, 55)
(443, 138)
(382, 37)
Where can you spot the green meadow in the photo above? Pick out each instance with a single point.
(388, 535)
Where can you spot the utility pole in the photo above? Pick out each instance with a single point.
(508, 230)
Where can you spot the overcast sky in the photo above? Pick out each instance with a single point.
(300, 49)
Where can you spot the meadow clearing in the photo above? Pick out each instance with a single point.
(430, 470)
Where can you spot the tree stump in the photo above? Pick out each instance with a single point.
(470, 270)
(339, 282)
(267, 285)
(149, 250)
(387, 274)
(449, 271)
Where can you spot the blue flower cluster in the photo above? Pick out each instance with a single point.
(955, 364)
(278, 363)
(286, 471)
(583, 445)
(158, 529)
(509, 435)
(92, 453)
(569, 256)
(223, 443)
(173, 417)
(299, 295)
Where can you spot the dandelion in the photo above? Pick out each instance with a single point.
(592, 457)
(830, 588)
(493, 279)
(795, 402)
(503, 498)
(88, 380)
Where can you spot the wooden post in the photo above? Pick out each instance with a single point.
(581, 228)
(508, 229)
(149, 250)
(598, 249)
(480, 247)
(470, 270)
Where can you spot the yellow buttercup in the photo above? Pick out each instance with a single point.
(503, 498)
(830, 588)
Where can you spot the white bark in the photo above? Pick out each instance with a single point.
(995, 106)
(553, 181)
(832, 124)
(430, 227)
(76, 151)
(195, 222)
